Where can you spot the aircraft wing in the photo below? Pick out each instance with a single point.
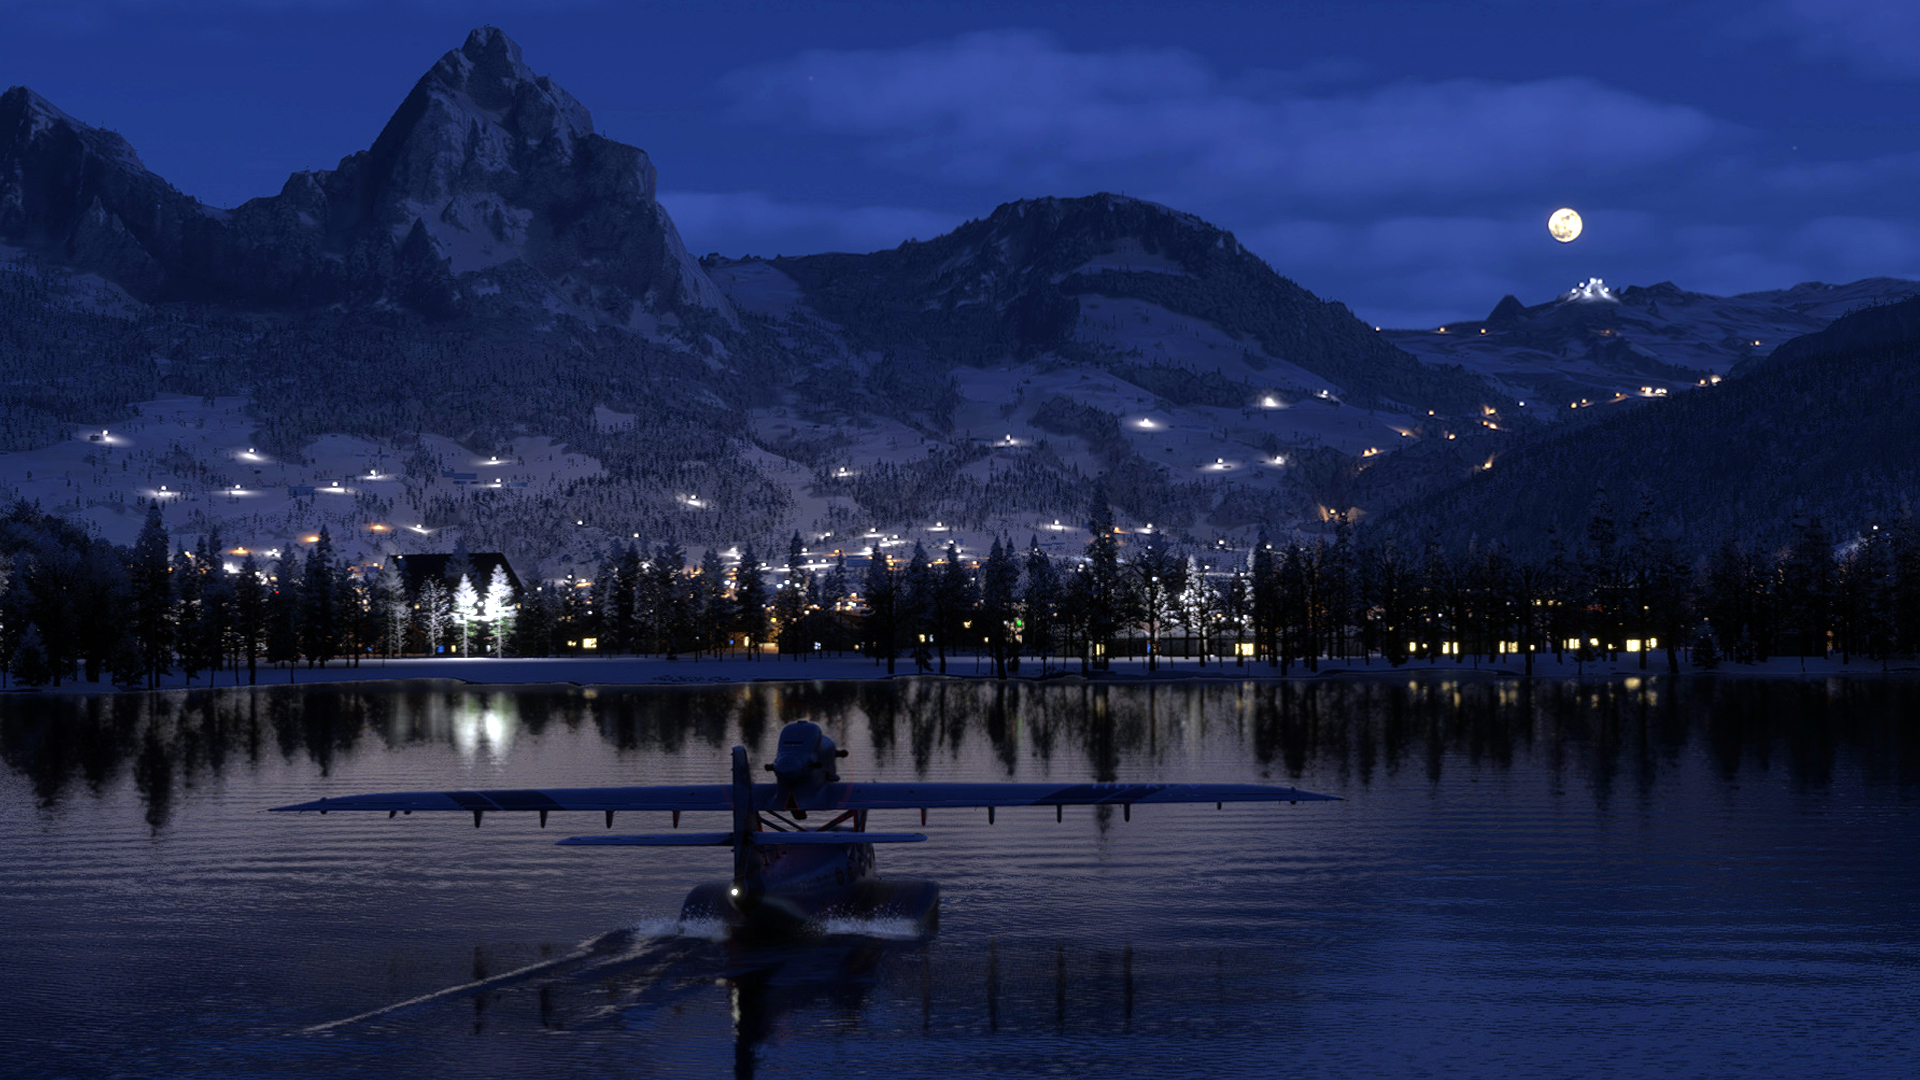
(608, 799)
(911, 796)
(835, 796)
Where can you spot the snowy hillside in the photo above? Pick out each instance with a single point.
(1596, 345)
(484, 328)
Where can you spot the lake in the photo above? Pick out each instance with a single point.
(1699, 877)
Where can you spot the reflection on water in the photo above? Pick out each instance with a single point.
(1612, 735)
(1628, 878)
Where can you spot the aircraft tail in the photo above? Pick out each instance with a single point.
(747, 887)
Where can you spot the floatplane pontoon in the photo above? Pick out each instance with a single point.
(788, 874)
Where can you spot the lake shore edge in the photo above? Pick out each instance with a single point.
(615, 673)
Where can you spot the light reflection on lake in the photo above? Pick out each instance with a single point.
(1711, 877)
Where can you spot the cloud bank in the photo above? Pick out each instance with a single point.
(1413, 201)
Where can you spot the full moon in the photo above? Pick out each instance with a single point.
(1564, 225)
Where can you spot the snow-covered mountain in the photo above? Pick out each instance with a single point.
(485, 325)
(488, 192)
(1595, 344)
(1824, 429)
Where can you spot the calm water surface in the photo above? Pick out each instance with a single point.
(1689, 878)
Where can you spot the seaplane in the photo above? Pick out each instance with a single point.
(789, 873)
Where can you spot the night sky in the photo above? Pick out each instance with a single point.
(1401, 157)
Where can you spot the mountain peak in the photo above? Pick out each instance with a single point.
(23, 100)
(25, 115)
(485, 81)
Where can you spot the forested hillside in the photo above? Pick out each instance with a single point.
(1826, 432)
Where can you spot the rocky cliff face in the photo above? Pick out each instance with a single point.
(488, 191)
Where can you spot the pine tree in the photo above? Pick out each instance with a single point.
(1156, 576)
(1103, 612)
(320, 615)
(1198, 606)
(390, 593)
(434, 612)
(714, 613)
(953, 598)
(215, 629)
(915, 607)
(790, 598)
(750, 599)
(1263, 591)
(30, 665)
(623, 614)
(999, 578)
(466, 612)
(250, 614)
(1040, 604)
(499, 607)
(189, 588)
(1806, 580)
(151, 578)
(670, 603)
(533, 631)
(882, 590)
(283, 614)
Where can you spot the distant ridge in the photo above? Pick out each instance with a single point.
(488, 190)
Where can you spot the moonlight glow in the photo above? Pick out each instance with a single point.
(1564, 225)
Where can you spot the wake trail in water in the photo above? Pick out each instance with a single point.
(662, 940)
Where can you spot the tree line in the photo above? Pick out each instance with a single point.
(73, 606)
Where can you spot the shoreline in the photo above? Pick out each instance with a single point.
(634, 672)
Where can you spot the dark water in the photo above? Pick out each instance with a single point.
(1697, 878)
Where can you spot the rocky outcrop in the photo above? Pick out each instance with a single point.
(488, 190)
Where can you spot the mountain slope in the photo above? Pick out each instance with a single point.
(1018, 282)
(487, 191)
(1829, 434)
(1594, 343)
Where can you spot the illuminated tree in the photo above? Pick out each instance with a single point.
(390, 597)
(499, 608)
(999, 578)
(466, 612)
(434, 614)
(1198, 607)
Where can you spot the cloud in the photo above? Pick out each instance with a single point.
(1876, 37)
(754, 223)
(1413, 201)
(1013, 107)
